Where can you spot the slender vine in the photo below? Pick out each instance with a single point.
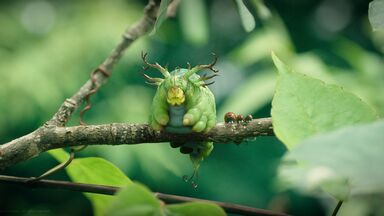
(337, 208)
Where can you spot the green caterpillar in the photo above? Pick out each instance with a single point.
(183, 104)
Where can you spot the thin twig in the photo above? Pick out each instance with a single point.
(337, 208)
(172, 8)
(36, 142)
(51, 137)
(111, 190)
(140, 28)
(228, 207)
(98, 78)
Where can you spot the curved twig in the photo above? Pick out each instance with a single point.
(140, 28)
(111, 190)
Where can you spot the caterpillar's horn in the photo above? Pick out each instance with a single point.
(207, 84)
(151, 79)
(201, 67)
(205, 77)
(156, 65)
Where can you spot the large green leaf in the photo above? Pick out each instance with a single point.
(376, 14)
(342, 161)
(195, 208)
(93, 170)
(135, 199)
(303, 106)
(247, 18)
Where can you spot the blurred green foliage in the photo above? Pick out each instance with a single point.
(49, 48)
(345, 170)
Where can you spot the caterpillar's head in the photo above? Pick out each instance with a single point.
(176, 83)
(175, 86)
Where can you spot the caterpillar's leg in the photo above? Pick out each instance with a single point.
(202, 115)
(211, 122)
(201, 124)
(192, 116)
(154, 124)
(159, 117)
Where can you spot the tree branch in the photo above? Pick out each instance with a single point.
(99, 77)
(140, 28)
(111, 190)
(52, 137)
(53, 134)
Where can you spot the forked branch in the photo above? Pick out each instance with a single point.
(140, 28)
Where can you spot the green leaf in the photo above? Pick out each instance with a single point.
(194, 21)
(341, 161)
(247, 18)
(376, 14)
(135, 199)
(262, 11)
(93, 170)
(311, 179)
(195, 208)
(303, 106)
(258, 46)
(162, 16)
(281, 67)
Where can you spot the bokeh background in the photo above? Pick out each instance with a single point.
(49, 48)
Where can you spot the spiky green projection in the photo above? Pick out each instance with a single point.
(183, 104)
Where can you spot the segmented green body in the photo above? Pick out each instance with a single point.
(199, 109)
(183, 104)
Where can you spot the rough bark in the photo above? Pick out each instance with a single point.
(52, 137)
